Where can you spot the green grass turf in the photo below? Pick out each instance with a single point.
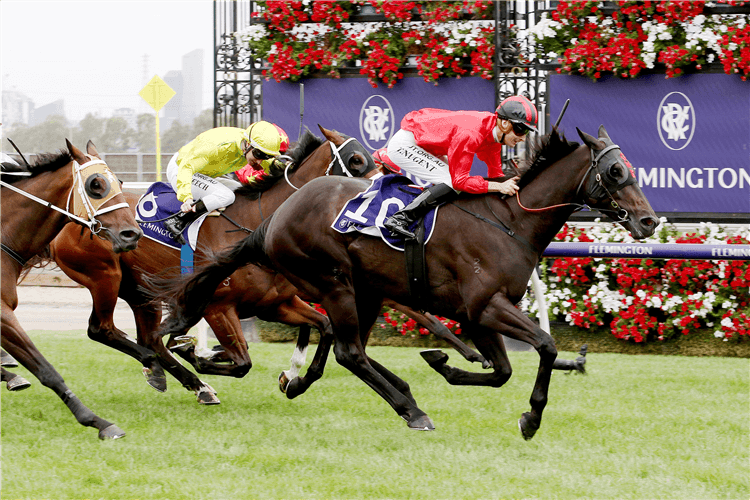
(643, 427)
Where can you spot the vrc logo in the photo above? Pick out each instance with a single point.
(676, 121)
(376, 121)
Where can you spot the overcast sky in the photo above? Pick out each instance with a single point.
(91, 53)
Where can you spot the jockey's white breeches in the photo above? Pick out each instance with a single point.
(215, 192)
(404, 152)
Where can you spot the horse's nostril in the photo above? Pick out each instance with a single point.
(131, 235)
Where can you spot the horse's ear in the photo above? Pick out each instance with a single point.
(590, 140)
(331, 135)
(91, 149)
(75, 152)
(603, 133)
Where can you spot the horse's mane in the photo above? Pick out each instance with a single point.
(543, 151)
(44, 162)
(298, 151)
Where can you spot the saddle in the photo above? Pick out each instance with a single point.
(158, 203)
(366, 212)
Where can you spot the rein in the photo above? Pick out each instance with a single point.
(13, 254)
(499, 225)
(93, 224)
(621, 214)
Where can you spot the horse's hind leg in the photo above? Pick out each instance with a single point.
(19, 345)
(298, 385)
(350, 329)
(14, 382)
(147, 318)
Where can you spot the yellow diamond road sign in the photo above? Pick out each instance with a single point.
(156, 93)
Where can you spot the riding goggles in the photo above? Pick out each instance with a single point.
(260, 155)
(520, 129)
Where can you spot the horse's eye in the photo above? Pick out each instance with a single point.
(97, 186)
(617, 172)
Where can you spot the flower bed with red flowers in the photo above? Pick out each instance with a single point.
(645, 300)
(297, 38)
(588, 41)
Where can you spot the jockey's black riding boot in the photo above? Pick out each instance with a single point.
(176, 223)
(429, 198)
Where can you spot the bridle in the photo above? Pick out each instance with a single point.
(604, 165)
(87, 201)
(341, 155)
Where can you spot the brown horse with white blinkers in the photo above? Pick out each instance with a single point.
(479, 260)
(251, 291)
(31, 217)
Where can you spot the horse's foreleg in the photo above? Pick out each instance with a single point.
(442, 332)
(502, 316)
(490, 344)
(19, 345)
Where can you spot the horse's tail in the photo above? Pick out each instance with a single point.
(188, 296)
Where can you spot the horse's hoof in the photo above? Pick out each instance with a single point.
(527, 426)
(18, 383)
(158, 383)
(111, 432)
(206, 397)
(185, 343)
(422, 423)
(293, 388)
(580, 365)
(283, 382)
(8, 360)
(486, 364)
(434, 357)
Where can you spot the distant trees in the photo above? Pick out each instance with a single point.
(111, 135)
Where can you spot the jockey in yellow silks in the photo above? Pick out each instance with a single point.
(196, 171)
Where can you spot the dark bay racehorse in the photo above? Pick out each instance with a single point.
(479, 261)
(35, 207)
(251, 291)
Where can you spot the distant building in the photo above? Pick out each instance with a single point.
(187, 103)
(17, 108)
(192, 86)
(173, 109)
(41, 114)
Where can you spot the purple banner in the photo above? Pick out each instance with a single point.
(685, 251)
(372, 115)
(687, 137)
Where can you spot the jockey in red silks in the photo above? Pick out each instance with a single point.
(439, 146)
(248, 174)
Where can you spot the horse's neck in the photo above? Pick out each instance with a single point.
(556, 185)
(34, 227)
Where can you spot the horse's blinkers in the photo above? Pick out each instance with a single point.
(612, 173)
(94, 185)
(97, 186)
(343, 155)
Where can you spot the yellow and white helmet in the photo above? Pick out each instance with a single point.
(263, 136)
